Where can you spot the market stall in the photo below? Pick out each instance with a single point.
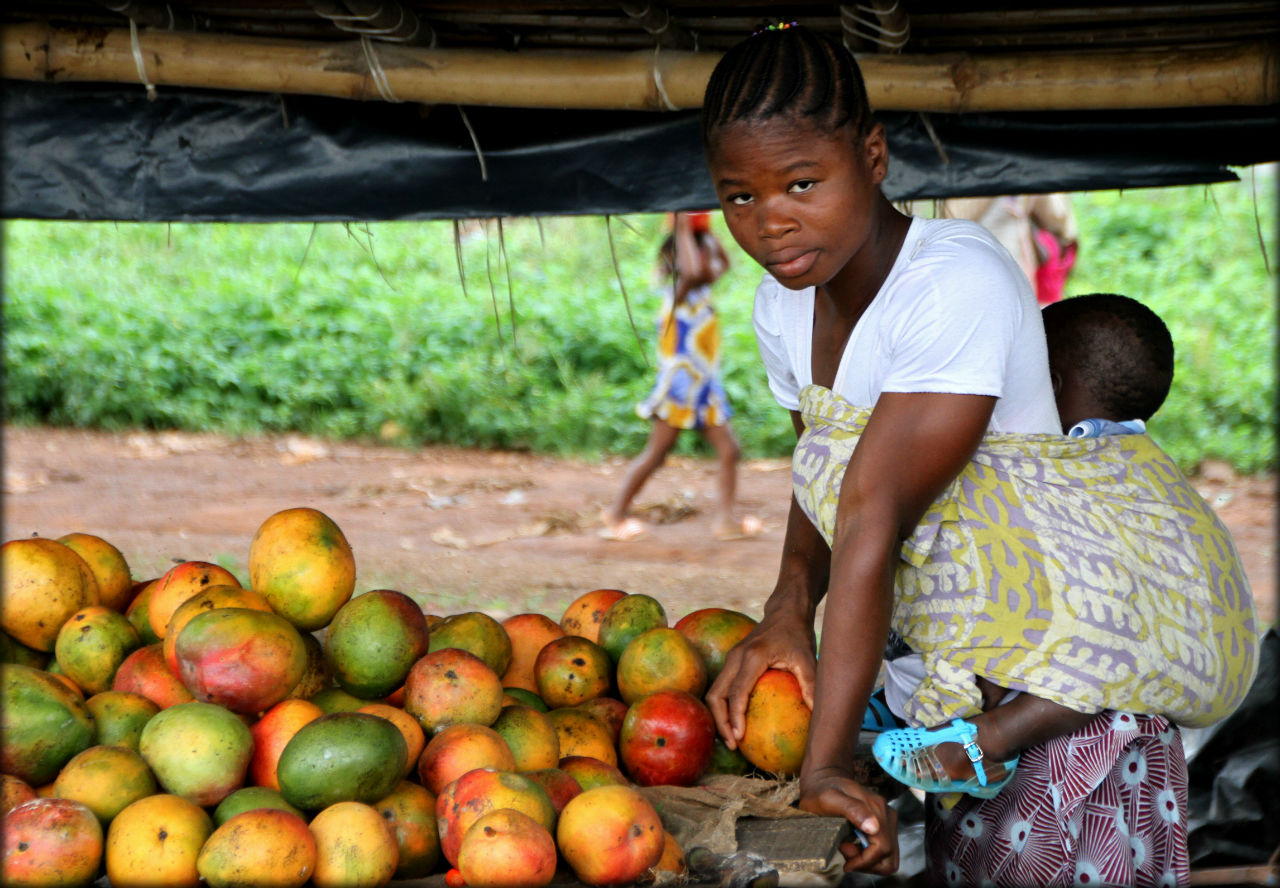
(356, 110)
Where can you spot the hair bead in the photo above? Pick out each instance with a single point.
(780, 26)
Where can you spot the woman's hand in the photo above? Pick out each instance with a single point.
(832, 793)
(782, 640)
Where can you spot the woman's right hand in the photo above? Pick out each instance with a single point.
(833, 793)
(782, 640)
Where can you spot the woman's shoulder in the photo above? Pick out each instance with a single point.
(957, 266)
(962, 236)
(955, 253)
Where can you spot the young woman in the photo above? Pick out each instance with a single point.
(914, 338)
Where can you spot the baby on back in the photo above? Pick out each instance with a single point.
(1111, 365)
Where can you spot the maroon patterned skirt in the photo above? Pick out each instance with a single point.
(1106, 805)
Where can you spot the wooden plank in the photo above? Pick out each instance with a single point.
(797, 845)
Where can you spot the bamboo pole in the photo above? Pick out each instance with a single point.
(1258, 874)
(1248, 74)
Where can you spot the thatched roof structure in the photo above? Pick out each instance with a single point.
(979, 98)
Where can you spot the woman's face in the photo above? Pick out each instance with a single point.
(798, 200)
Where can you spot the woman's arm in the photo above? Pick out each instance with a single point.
(784, 637)
(914, 446)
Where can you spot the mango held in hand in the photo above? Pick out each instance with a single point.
(777, 726)
(302, 564)
(42, 583)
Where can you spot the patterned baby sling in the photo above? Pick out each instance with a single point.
(1086, 571)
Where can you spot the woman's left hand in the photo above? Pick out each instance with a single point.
(834, 794)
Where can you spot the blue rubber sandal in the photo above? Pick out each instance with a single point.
(878, 718)
(908, 755)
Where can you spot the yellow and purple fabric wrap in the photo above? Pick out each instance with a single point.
(1086, 571)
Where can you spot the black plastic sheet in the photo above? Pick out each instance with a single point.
(1234, 776)
(77, 151)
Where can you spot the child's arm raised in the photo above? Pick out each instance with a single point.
(693, 267)
(914, 445)
(719, 259)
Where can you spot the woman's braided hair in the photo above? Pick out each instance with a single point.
(791, 71)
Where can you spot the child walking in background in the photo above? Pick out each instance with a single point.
(912, 356)
(688, 393)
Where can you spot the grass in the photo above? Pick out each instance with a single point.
(369, 333)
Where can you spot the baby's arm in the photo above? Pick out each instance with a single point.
(1023, 722)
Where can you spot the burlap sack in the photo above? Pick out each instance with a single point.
(706, 815)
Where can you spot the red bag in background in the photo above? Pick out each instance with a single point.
(699, 221)
(1055, 266)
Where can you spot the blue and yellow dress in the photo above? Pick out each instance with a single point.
(688, 393)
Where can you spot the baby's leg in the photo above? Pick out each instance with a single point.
(1005, 731)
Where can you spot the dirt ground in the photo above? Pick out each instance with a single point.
(459, 530)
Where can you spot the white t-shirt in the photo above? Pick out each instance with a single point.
(955, 315)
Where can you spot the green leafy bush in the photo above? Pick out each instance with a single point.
(366, 331)
(1196, 257)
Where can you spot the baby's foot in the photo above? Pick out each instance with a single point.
(937, 760)
(956, 762)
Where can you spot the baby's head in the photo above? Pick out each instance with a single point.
(1110, 357)
(791, 73)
